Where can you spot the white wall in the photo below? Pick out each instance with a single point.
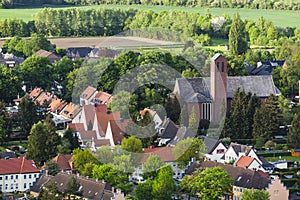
(17, 182)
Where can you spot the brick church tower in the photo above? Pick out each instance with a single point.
(218, 85)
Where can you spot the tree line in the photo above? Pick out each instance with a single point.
(107, 22)
(253, 4)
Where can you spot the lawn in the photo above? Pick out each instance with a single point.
(282, 18)
(273, 159)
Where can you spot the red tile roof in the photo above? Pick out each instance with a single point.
(35, 92)
(88, 92)
(118, 128)
(89, 112)
(103, 118)
(76, 126)
(103, 97)
(87, 135)
(70, 111)
(244, 161)
(64, 162)
(56, 105)
(17, 166)
(165, 153)
(45, 96)
(151, 112)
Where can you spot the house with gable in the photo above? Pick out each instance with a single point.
(277, 190)
(235, 151)
(64, 162)
(249, 163)
(50, 55)
(102, 98)
(245, 179)
(166, 154)
(209, 95)
(87, 95)
(215, 149)
(17, 174)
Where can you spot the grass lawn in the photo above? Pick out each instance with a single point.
(282, 18)
(273, 159)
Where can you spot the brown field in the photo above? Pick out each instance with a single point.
(112, 42)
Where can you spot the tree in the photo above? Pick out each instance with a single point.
(27, 115)
(132, 144)
(164, 185)
(254, 194)
(293, 135)
(237, 36)
(73, 187)
(211, 183)
(187, 149)
(82, 157)
(42, 143)
(193, 121)
(52, 168)
(144, 191)
(152, 166)
(50, 191)
(72, 138)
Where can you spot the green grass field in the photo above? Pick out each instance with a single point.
(282, 18)
(273, 159)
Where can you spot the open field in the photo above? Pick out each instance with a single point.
(282, 18)
(111, 42)
(273, 159)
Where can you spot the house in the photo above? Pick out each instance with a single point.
(78, 52)
(243, 179)
(64, 162)
(50, 55)
(155, 117)
(17, 174)
(57, 105)
(182, 133)
(277, 190)
(166, 155)
(248, 163)
(210, 95)
(115, 131)
(103, 52)
(89, 188)
(70, 111)
(263, 67)
(167, 131)
(35, 93)
(7, 155)
(235, 151)
(102, 98)
(86, 116)
(268, 167)
(215, 149)
(87, 95)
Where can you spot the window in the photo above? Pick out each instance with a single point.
(0, 187)
(25, 185)
(0, 178)
(218, 66)
(223, 67)
(241, 190)
(12, 177)
(6, 186)
(17, 176)
(29, 175)
(276, 192)
(34, 175)
(24, 176)
(11, 186)
(17, 186)
(6, 177)
(206, 111)
(219, 151)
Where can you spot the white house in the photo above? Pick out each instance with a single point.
(215, 149)
(166, 154)
(235, 151)
(17, 174)
(249, 163)
(87, 95)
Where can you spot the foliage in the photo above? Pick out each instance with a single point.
(52, 168)
(237, 36)
(211, 183)
(254, 194)
(42, 143)
(187, 149)
(132, 144)
(293, 135)
(50, 191)
(72, 138)
(82, 157)
(152, 166)
(73, 187)
(144, 191)
(260, 141)
(164, 184)
(270, 145)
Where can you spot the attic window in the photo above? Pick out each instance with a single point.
(239, 178)
(66, 112)
(80, 188)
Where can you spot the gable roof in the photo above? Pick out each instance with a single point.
(165, 153)
(17, 166)
(70, 111)
(64, 162)
(91, 189)
(194, 90)
(170, 129)
(103, 98)
(237, 148)
(78, 127)
(88, 92)
(244, 161)
(78, 52)
(182, 133)
(118, 128)
(103, 118)
(57, 105)
(210, 143)
(242, 177)
(89, 112)
(35, 93)
(48, 54)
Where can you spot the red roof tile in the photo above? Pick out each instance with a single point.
(103, 118)
(64, 162)
(89, 112)
(88, 92)
(35, 92)
(118, 128)
(76, 126)
(165, 153)
(151, 112)
(56, 104)
(70, 111)
(17, 166)
(87, 135)
(244, 161)
(103, 97)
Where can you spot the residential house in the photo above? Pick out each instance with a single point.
(102, 98)
(10, 60)
(166, 154)
(263, 67)
(35, 93)
(89, 188)
(268, 167)
(243, 179)
(86, 116)
(17, 174)
(78, 52)
(103, 52)
(7, 155)
(64, 162)
(277, 190)
(210, 95)
(182, 133)
(115, 131)
(215, 149)
(167, 131)
(155, 118)
(70, 111)
(50, 55)
(249, 163)
(57, 105)
(87, 95)
(235, 151)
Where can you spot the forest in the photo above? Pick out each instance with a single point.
(253, 4)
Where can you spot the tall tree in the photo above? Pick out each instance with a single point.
(164, 185)
(152, 166)
(144, 191)
(211, 183)
(193, 121)
(72, 137)
(237, 36)
(132, 144)
(293, 135)
(81, 157)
